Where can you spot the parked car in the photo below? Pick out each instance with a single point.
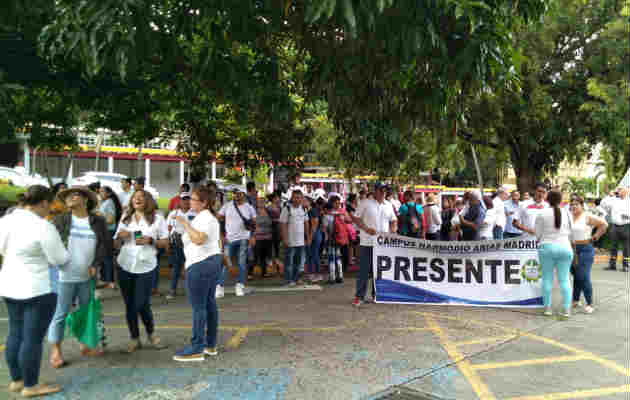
(19, 178)
(110, 179)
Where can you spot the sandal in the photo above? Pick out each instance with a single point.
(42, 389)
(133, 346)
(156, 343)
(58, 363)
(87, 352)
(16, 386)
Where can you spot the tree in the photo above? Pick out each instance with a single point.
(539, 120)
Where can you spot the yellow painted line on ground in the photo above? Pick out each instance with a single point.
(409, 328)
(237, 339)
(480, 388)
(485, 340)
(522, 363)
(1, 347)
(578, 394)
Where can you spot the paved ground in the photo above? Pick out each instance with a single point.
(313, 344)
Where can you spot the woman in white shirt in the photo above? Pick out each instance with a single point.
(29, 245)
(141, 232)
(202, 249)
(490, 220)
(582, 225)
(553, 230)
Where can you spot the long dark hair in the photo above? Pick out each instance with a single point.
(116, 200)
(149, 208)
(555, 198)
(35, 194)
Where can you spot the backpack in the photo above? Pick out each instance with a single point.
(340, 231)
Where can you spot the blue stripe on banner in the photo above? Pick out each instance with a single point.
(393, 291)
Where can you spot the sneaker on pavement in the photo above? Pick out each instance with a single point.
(189, 354)
(588, 309)
(292, 284)
(357, 302)
(170, 296)
(239, 289)
(339, 280)
(210, 351)
(548, 312)
(220, 292)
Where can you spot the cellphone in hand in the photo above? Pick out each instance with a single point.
(137, 235)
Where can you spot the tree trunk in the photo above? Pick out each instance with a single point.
(67, 168)
(526, 178)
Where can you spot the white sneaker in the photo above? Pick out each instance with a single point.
(240, 289)
(220, 292)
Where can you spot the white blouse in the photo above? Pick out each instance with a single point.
(207, 223)
(29, 246)
(546, 231)
(141, 259)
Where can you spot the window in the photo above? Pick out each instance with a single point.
(87, 140)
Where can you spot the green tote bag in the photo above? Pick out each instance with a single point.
(84, 323)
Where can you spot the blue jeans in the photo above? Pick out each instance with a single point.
(177, 259)
(294, 258)
(136, 293)
(582, 279)
(201, 282)
(314, 252)
(365, 270)
(238, 249)
(497, 232)
(66, 293)
(28, 322)
(556, 256)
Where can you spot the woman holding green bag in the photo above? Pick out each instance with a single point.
(29, 245)
(203, 263)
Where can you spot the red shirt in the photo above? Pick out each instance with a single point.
(174, 203)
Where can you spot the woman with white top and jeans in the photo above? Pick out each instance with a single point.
(140, 232)
(202, 248)
(582, 225)
(553, 231)
(489, 221)
(29, 245)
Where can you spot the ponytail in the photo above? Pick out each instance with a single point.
(554, 199)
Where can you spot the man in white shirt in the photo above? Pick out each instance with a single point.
(527, 200)
(499, 207)
(126, 193)
(238, 237)
(176, 256)
(295, 234)
(372, 216)
(620, 229)
(526, 219)
(512, 210)
(606, 203)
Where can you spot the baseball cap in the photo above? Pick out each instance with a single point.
(380, 186)
(238, 189)
(185, 195)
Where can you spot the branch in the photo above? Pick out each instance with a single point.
(469, 138)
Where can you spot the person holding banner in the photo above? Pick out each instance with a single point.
(372, 216)
(582, 224)
(553, 230)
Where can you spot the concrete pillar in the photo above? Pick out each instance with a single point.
(181, 172)
(271, 181)
(214, 170)
(244, 180)
(27, 158)
(110, 164)
(147, 171)
(70, 172)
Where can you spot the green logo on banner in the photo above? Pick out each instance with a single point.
(531, 271)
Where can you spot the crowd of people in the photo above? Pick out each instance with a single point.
(58, 245)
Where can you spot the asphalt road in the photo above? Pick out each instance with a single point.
(312, 344)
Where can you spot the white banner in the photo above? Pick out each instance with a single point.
(491, 273)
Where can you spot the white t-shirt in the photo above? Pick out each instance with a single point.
(141, 259)
(512, 212)
(29, 245)
(82, 247)
(396, 204)
(545, 227)
(234, 224)
(620, 211)
(527, 215)
(107, 207)
(374, 215)
(499, 211)
(176, 226)
(295, 221)
(487, 226)
(124, 197)
(207, 223)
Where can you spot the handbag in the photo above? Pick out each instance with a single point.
(86, 322)
(250, 224)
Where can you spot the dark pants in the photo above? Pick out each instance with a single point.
(176, 259)
(509, 235)
(28, 322)
(107, 269)
(365, 270)
(201, 282)
(433, 236)
(136, 292)
(585, 254)
(156, 271)
(345, 257)
(620, 234)
(313, 253)
(264, 252)
(497, 232)
(276, 239)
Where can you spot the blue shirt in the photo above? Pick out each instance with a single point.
(402, 215)
(476, 214)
